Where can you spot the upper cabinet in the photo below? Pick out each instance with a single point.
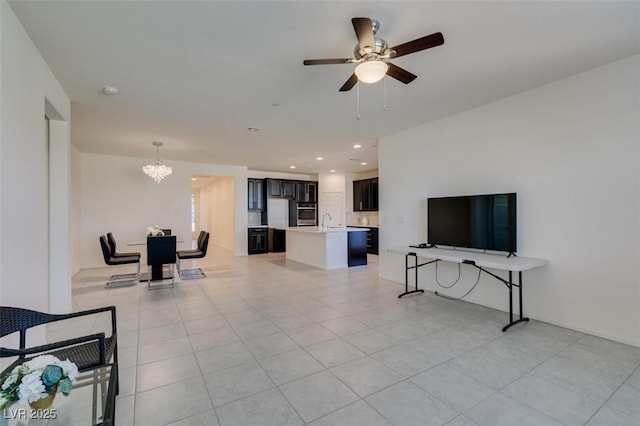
(307, 192)
(256, 192)
(277, 188)
(365, 195)
(301, 191)
(288, 189)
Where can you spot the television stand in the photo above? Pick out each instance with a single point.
(481, 261)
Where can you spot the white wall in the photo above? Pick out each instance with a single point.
(26, 278)
(75, 210)
(218, 200)
(117, 197)
(570, 150)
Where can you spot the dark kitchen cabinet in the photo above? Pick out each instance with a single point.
(258, 240)
(288, 189)
(358, 195)
(372, 239)
(274, 188)
(356, 248)
(256, 195)
(306, 192)
(277, 240)
(277, 188)
(365, 195)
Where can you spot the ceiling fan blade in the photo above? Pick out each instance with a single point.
(327, 61)
(364, 32)
(426, 42)
(349, 83)
(400, 74)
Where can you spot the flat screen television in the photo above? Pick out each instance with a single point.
(473, 221)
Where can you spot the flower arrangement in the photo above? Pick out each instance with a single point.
(154, 231)
(37, 379)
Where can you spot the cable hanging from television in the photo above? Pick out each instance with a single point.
(454, 283)
(464, 295)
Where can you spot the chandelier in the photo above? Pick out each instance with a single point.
(157, 171)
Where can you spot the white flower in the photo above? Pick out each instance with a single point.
(25, 381)
(69, 369)
(13, 377)
(31, 389)
(154, 231)
(39, 363)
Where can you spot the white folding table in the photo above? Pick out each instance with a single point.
(478, 260)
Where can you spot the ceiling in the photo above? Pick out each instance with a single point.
(197, 74)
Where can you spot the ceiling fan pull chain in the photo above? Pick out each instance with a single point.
(357, 101)
(385, 93)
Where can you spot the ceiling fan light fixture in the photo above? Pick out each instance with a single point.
(371, 71)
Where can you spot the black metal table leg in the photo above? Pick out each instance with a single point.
(406, 275)
(511, 285)
(520, 293)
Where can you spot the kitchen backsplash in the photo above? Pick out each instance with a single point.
(254, 219)
(358, 218)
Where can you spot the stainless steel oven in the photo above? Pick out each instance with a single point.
(307, 214)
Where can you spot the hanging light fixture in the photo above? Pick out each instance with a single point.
(371, 71)
(157, 170)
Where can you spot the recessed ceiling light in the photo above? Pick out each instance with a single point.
(363, 164)
(356, 146)
(319, 158)
(332, 171)
(193, 178)
(253, 129)
(110, 90)
(292, 167)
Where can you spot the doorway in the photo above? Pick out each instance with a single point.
(212, 209)
(195, 213)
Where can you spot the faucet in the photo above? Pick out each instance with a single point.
(323, 216)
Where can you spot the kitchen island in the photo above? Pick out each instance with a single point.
(327, 248)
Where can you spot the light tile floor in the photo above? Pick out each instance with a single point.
(265, 341)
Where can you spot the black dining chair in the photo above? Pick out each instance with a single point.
(121, 279)
(114, 253)
(198, 253)
(161, 251)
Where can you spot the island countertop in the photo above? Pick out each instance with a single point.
(327, 248)
(320, 230)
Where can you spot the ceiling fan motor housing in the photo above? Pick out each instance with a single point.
(380, 49)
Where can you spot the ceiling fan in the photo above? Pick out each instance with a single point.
(370, 53)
